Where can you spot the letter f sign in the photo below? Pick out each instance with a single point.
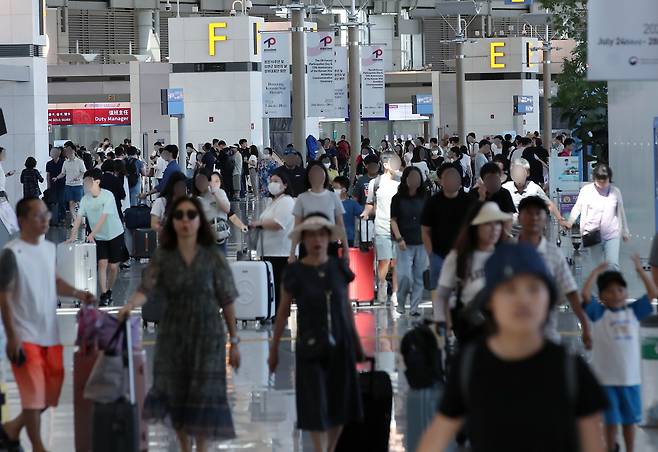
(212, 38)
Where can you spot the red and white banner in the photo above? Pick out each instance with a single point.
(105, 114)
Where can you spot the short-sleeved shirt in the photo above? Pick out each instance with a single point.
(75, 170)
(210, 202)
(408, 212)
(35, 311)
(54, 169)
(279, 210)
(522, 405)
(93, 207)
(160, 166)
(296, 176)
(473, 282)
(444, 216)
(502, 197)
(531, 189)
(616, 341)
(326, 202)
(360, 190)
(159, 207)
(381, 194)
(352, 210)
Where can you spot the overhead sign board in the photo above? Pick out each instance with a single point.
(320, 70)
(373, 96)
(523, 105)
(101, 114)
(422, 104)
(622, 40)
(276, 74)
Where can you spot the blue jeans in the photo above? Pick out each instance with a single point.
(436, 264)
(607, 251)
(411, 264)
(61, 204)
(134, 194)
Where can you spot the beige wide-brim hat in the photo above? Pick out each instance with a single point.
(490, 212)
(315, 223)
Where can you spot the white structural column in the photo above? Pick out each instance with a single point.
(354, 79)
(298, 80)
(147, 21)
(547, 127)
(23, 88)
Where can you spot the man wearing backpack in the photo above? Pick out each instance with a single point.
(380, 193)
(135, 169)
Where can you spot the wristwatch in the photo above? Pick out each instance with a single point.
(235, 340)
(399, 239)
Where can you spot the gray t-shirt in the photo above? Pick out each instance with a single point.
(386, 189)
(326, 202)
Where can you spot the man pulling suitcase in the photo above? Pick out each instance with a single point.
(29, 288)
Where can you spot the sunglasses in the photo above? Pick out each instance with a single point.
(180, 214)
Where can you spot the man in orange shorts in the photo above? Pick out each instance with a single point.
(28, 302)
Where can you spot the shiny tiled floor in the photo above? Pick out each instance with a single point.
(264, 406)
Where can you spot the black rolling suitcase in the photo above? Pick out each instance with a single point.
(116, 425)
(144, 243)
(372, 434)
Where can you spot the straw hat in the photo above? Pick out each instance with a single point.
(314, 223)
(490, 212)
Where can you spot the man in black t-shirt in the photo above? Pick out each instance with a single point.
(442, 219)
(491, 189)
(295, 174)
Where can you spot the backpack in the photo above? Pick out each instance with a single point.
(131, 172)
(422, 357)
(343, 150)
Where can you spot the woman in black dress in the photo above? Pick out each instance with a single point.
(328, 347)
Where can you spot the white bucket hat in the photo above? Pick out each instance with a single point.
(315, 223)
(490, 212)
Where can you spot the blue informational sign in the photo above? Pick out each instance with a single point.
(523, 105)
(518, 2)
(422, 104)
(175, 104)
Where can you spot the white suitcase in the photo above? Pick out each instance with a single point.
(76, 264)
(255, 283)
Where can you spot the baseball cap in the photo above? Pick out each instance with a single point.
(610, 277)
(289, 151)
(511, 260)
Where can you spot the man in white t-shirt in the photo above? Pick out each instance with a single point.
(73, 170)
(524, 142)
(29, 288)
(380, 193)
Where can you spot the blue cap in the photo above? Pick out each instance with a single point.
(289, 151)
(510, 260)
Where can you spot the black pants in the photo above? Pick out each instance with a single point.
(279, 264)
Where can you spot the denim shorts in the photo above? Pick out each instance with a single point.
(385, 248)
(73, 193)
(436, 263)
(624, 405)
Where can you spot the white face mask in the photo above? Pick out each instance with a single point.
(435, 152)
(327, 165)
(275, 188)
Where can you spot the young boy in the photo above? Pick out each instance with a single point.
(616, 349)
(352, 208)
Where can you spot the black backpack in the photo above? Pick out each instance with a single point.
(422, 357)
(131, 172)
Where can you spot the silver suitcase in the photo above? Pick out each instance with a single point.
(255, 283)
(76, 264)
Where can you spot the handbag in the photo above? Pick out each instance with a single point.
(316, 343)
(222, 229)
(592, 238)
(107, 380)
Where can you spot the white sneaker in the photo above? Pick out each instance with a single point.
(382, 295)
(394, 299)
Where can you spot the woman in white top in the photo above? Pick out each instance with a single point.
(216, 206)
(601, 210)
(276, 223)
(176, 187)
(463, 269)
(318, 198)
(418, 162)
(3, 175)
(192, 155)
(253, 170)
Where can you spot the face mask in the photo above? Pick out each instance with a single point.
(435, 152)
(275, 188)
(327, 165)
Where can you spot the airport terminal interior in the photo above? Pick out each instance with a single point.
(202, 247)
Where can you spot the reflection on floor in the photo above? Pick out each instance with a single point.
(264, 406)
